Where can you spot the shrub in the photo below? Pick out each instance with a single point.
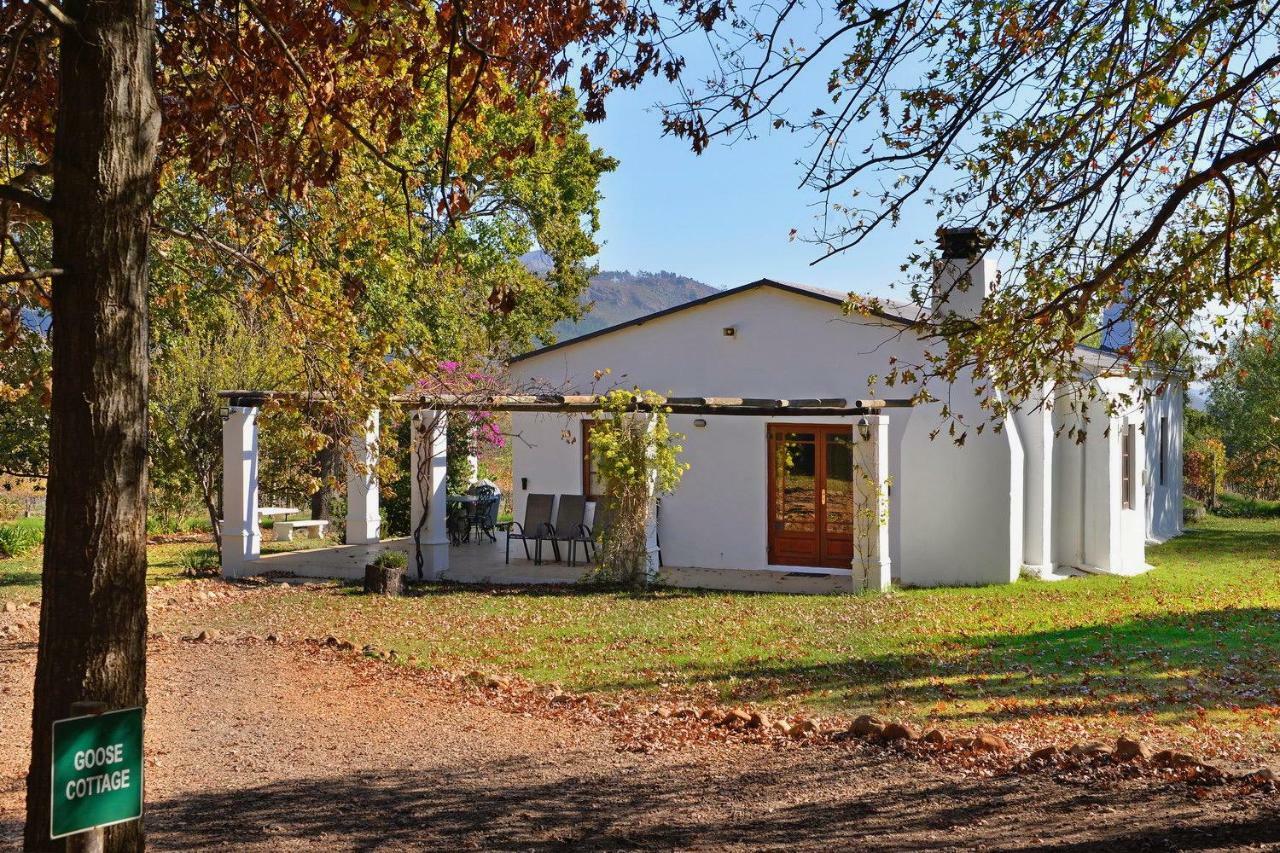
(392, 560)
(200, 562)
(18, 539)
(1231, 505)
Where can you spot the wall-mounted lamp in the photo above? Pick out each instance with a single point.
(700, 423)
(729, 331)
(864, 428)
(225, 413)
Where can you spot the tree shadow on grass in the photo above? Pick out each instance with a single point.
(19, 578)
(1174, 665)
(447, 588)
(819, 801)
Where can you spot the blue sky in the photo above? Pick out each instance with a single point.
(724, 217)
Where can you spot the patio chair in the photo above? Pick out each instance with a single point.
(536, 527)
(591, 535)
(595, 534)
(455, 522)
(484, 512)
(569, 526)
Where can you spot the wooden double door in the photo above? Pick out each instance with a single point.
(811, 495)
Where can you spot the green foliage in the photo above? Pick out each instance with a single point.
(195, 355)
(1244, 404)
(24, 414)
(1204, 470)
(391, 560)
(458, 448)
(20, 537)
(395, 495)
(159, 525)
(1232, 505)
(639, 457)
(200, 562)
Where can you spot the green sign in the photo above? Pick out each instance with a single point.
(97, 771)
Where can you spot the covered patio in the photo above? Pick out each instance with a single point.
(431, 557)
(483, 564)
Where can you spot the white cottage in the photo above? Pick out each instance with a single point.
(1026, 497)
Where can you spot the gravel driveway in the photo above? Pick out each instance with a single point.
(287, 747)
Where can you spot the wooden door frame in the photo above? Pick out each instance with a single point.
(820, 431)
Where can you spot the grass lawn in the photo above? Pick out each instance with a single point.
(1194, 644)
(20, 576)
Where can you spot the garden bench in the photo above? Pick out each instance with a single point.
(284, 529)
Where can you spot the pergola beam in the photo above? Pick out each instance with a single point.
(583, 403)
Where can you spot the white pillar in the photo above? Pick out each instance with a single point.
(871, 568)
(428, 462)
(651, 546)
(241, 538)
(364, 525)
(1035, 424)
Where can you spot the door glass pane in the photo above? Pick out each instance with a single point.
(839, 484)
(796, 498)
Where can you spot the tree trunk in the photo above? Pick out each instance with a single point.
(327, 461)
(93, 622)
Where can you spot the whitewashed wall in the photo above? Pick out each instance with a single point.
(964, 505)
(785, 346)
(957, 515)
(1164, 500)
(1092, 529)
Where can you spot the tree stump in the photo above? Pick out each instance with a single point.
(382, 580)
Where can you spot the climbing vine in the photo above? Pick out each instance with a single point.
(638, 456)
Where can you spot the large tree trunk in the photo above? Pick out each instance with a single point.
(93, 623)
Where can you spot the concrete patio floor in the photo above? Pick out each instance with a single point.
(483, 563)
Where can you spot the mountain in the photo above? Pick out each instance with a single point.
(616, 296)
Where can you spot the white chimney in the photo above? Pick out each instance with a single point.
(964, 276)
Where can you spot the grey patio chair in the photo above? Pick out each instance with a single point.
(595, 534)
(536, 527)
(569, 526)
(484, 512)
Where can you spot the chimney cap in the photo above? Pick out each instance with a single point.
(960, 243)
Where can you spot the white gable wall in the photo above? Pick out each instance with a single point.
(1027, 494)
(785, 346)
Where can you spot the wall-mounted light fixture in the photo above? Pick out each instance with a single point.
(729, 331)
(864, 428)
(225, 413)
(700, 423)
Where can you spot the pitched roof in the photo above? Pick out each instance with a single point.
(902, 310)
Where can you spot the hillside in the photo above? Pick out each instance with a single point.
(616, 296)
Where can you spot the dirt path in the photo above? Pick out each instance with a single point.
(265, 747)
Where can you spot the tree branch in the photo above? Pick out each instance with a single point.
(30, 275)
(55, 13)
(27, 200)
